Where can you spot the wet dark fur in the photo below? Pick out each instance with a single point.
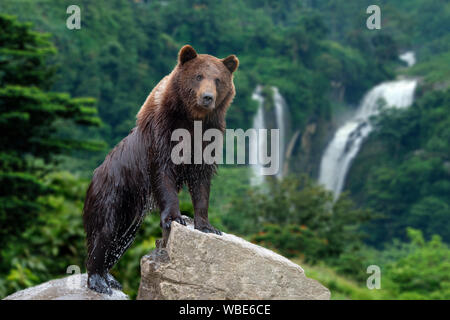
(139, 173)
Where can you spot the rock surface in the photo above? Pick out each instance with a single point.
(196, 265)
(70, 288)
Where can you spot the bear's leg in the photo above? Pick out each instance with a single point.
(167, 198)
(96, 265)
(100, 279)
(200, 199)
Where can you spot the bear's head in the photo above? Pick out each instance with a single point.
(205, 82)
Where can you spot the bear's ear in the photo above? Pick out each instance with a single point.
(186, 53)
(231, 62)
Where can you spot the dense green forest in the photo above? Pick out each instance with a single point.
(68, 96)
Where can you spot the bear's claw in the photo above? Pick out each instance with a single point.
(166, 224)
(209, 229)
(180, 220)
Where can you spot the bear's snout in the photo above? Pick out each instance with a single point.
(207, 99)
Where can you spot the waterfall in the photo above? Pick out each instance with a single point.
(280, 116)
(409, 57)
(259, 122)
(348, 139)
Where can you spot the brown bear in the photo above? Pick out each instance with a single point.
(138, 174)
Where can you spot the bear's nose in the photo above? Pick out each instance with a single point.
(207, 98)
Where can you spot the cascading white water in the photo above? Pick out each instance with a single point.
(348, 138)
(259, 122)
(409, 57)
(280, 114)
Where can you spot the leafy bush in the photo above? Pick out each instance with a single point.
(297, 217)
(424, 273)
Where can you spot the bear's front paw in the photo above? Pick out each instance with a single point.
(166, 220)
(207, 228)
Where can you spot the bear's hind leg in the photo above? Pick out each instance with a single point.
(97, 264)
(102, 259)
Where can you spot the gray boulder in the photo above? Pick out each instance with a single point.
(197, 265)
(69, 288)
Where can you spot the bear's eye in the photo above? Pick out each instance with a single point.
(217, 82)
(199, 77)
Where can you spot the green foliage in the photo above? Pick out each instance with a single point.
(415, 270)
(341, 287)
(297, 217)
(423, 274)
(28, 115)
(52, 242)
(435, 71)
(24, 54)
(292, 240)
(124, 48)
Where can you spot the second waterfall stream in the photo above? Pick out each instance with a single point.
(259, 122)
(348, 138)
